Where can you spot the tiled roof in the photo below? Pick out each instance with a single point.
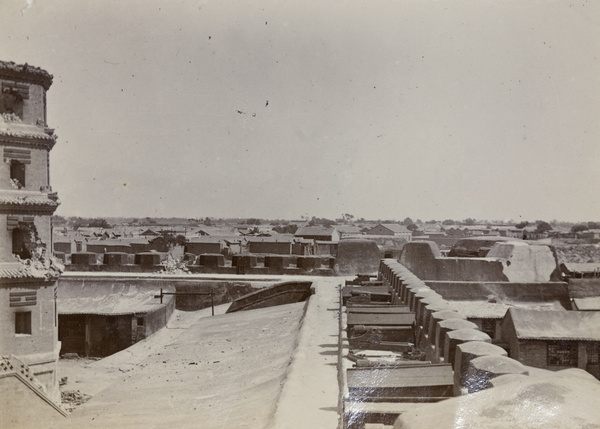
(19, 73)
(17, 274)
(395, 227)
(26, 198)
(16, 271)
(19, 129)
(26, 72)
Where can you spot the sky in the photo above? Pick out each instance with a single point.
(389, 109)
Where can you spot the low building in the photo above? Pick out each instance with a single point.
(107, 246)
(591, 234)
(554, 340)
(270, 245)
(149, 233)
(348, 231)
(214, 231)
(303, 246)
(101, 319)
(200, 245)
(64, 245)
(527, 233)
(318, 233)
(394, 229)
(326, 247)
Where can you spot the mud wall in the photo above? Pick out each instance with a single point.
(506, 262)
(480, 291)
(223, 290)
(357, 256)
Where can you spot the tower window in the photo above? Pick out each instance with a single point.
(23, 322)
(17, 173)
(11, 102)
(25, 240)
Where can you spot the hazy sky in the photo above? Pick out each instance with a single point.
(380, 109)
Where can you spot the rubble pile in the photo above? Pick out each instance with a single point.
(578, 253)
(72, 399)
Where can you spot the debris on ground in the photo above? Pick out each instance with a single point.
(73, 398)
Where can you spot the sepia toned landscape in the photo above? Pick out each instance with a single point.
(287, 215)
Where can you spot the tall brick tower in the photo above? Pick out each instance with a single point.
(28, 317)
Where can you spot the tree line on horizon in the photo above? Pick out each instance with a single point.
(290, 226)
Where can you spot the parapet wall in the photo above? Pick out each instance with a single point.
(517, 291)
(442, 332)
(113, 262)
(506, 262)
(223, 290)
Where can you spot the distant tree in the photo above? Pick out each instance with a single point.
(419, 221)
(448, 222)
(207, 221)
(253, 221)
(469, 221)
(412, 227)
(579, 227)
(321, 221)
(173, 239)
(407, 221)
(59, 220)
(543, 226)
(593, 225)
(347, 218)
(99, 223)
(286, 229)
(522, 224)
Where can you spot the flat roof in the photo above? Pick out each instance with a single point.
(556, 325)
(497, 310)
(108, 300)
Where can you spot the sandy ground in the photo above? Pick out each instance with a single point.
(273, 367)
(90, 376)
